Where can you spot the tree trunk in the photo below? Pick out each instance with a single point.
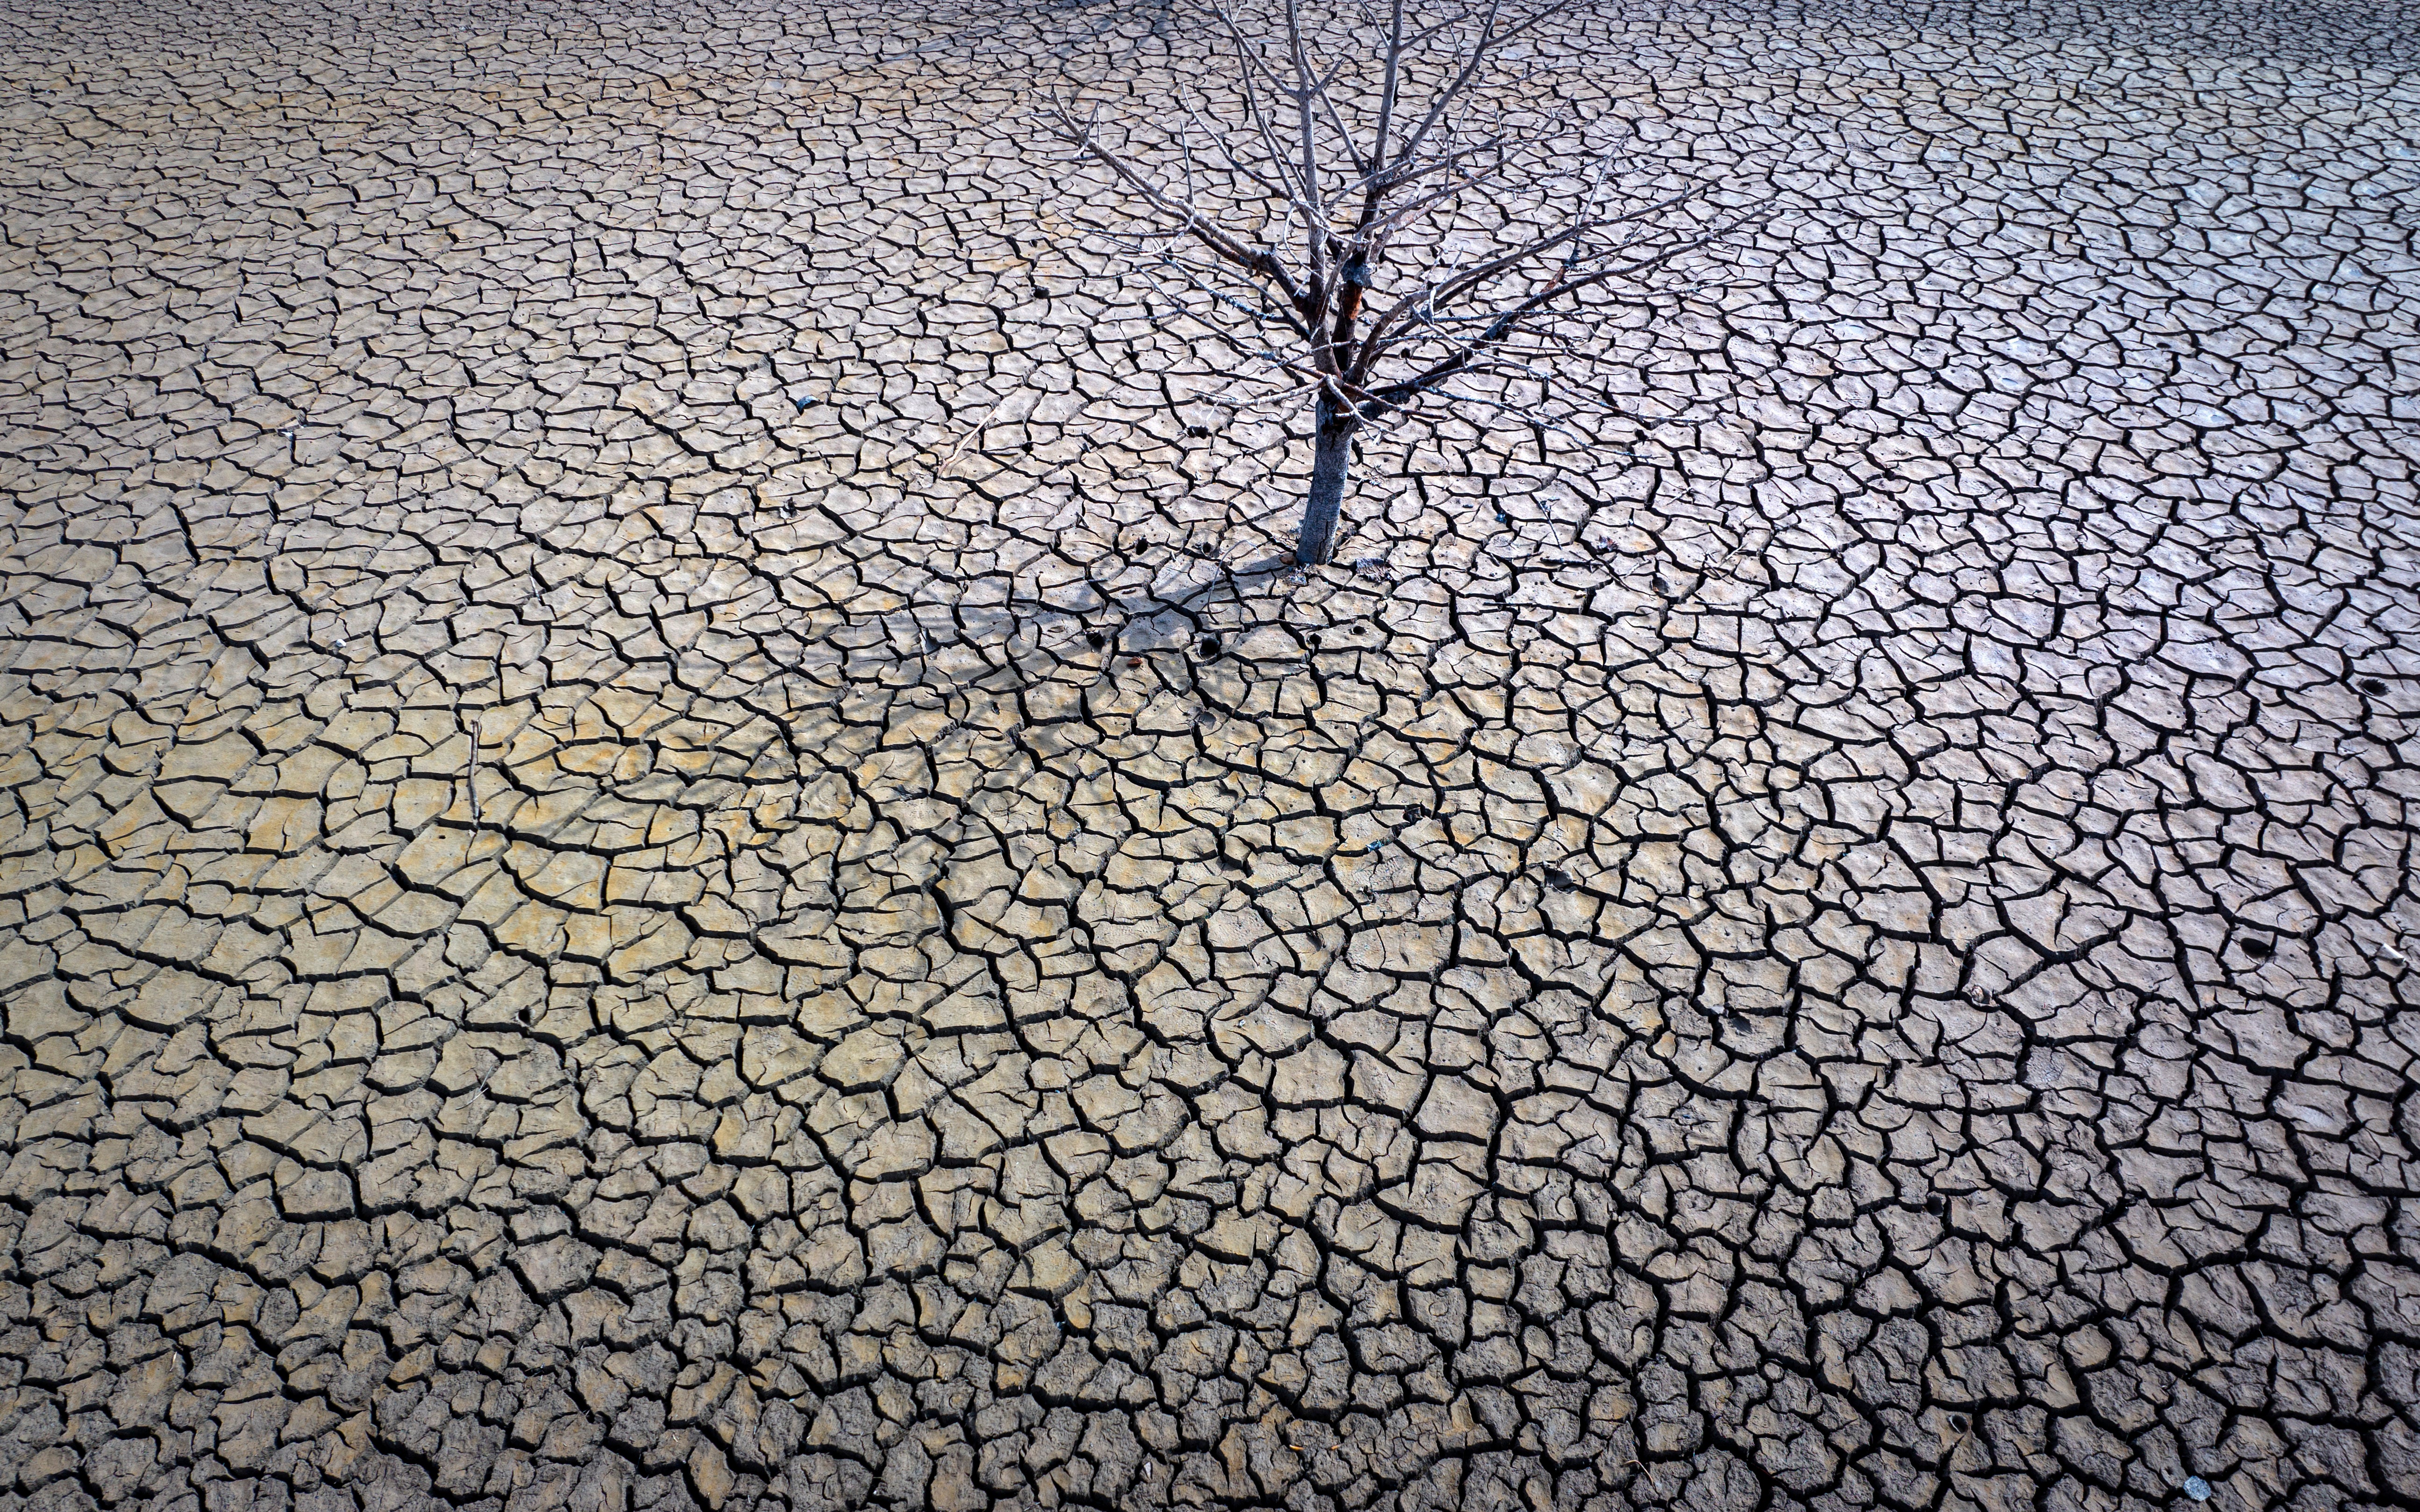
(1333, 455)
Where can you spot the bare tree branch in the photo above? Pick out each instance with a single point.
(1366, 132)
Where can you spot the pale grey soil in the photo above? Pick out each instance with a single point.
(659, 847)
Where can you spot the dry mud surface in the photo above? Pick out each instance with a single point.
(659, 850)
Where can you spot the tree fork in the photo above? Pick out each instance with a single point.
(1369, 173)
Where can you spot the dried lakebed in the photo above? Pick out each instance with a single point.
(661, 847)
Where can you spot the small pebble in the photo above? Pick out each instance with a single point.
(2197, 1488)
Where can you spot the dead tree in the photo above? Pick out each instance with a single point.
(1354, 135)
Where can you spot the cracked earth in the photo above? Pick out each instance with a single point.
(667, 843)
